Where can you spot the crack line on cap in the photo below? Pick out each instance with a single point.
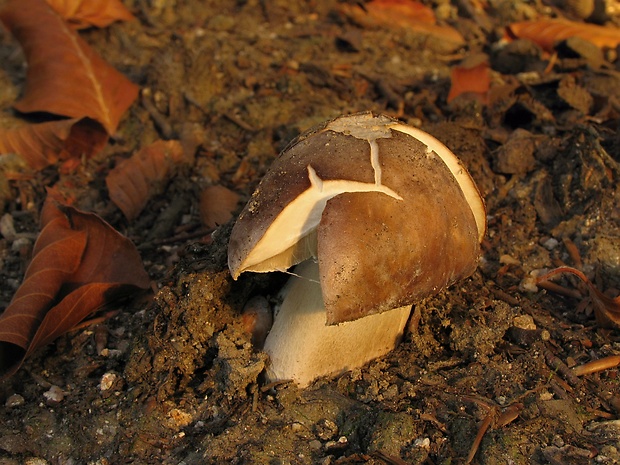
(374, 160)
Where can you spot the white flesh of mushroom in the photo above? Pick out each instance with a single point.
(327, 350)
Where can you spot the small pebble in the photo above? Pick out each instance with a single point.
(35, 461)
(315, 444)
(14, 401)
(528, 284)
(54, 395)
(551, 243)
(526, 337)
(546, 395)
(506, 259)
(107, 381)
(326, 429)
(297, 427)
(524, 322)
(423, 443)
(341, 444)
(7, 227)
(180, 418)
(20, 243)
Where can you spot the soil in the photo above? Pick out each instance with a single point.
(172, 378)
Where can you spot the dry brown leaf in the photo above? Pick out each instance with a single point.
(606, 309)
(473, 80)
(81, 14)
(401, 13)
(38, 144)
(45, 144)
(79, 264)
(65, 76)
(135, 180)
(548, 32)
(407, 14)
(217, 204)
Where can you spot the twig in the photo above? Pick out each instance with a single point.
(597, 365)
(191, 100)
(94, 321)
(486, 423)
(167, 219)
(390, 459)
(552, 61)
(184, 236)
(274, 384)
(558, 365)
(239, 122)
(433, 419)
(493, 419)
(573, 252)
(553, 287)
(503, 295)
(160, 120)
(610, 399)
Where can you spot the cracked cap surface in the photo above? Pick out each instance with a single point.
(389, 212)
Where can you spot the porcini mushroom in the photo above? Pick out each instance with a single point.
(378, 215)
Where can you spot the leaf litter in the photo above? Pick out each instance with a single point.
(65, 75)
(88, 13)
(135, 180)
(44, 144)
(79, 265)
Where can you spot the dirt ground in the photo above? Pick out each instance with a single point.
(173, 379)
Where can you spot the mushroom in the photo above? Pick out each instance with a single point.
(376, 215)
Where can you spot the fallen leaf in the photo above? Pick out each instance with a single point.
(473, 80)
(548, 32)
(44, 144)
(79, 264)
(606, 309)
(81, 14)
(86, 139)
(135, 180)
(408, 14)
(401, 13)
(217, 204)
(38, 144)
(65, 75)
(59, 196)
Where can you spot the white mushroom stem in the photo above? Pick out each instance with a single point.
(302, 347)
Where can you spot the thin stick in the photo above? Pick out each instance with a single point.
(486, 423)
(597, 365)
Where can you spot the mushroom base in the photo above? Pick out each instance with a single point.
(302, 347)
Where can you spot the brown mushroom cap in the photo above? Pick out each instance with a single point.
(389, 211)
